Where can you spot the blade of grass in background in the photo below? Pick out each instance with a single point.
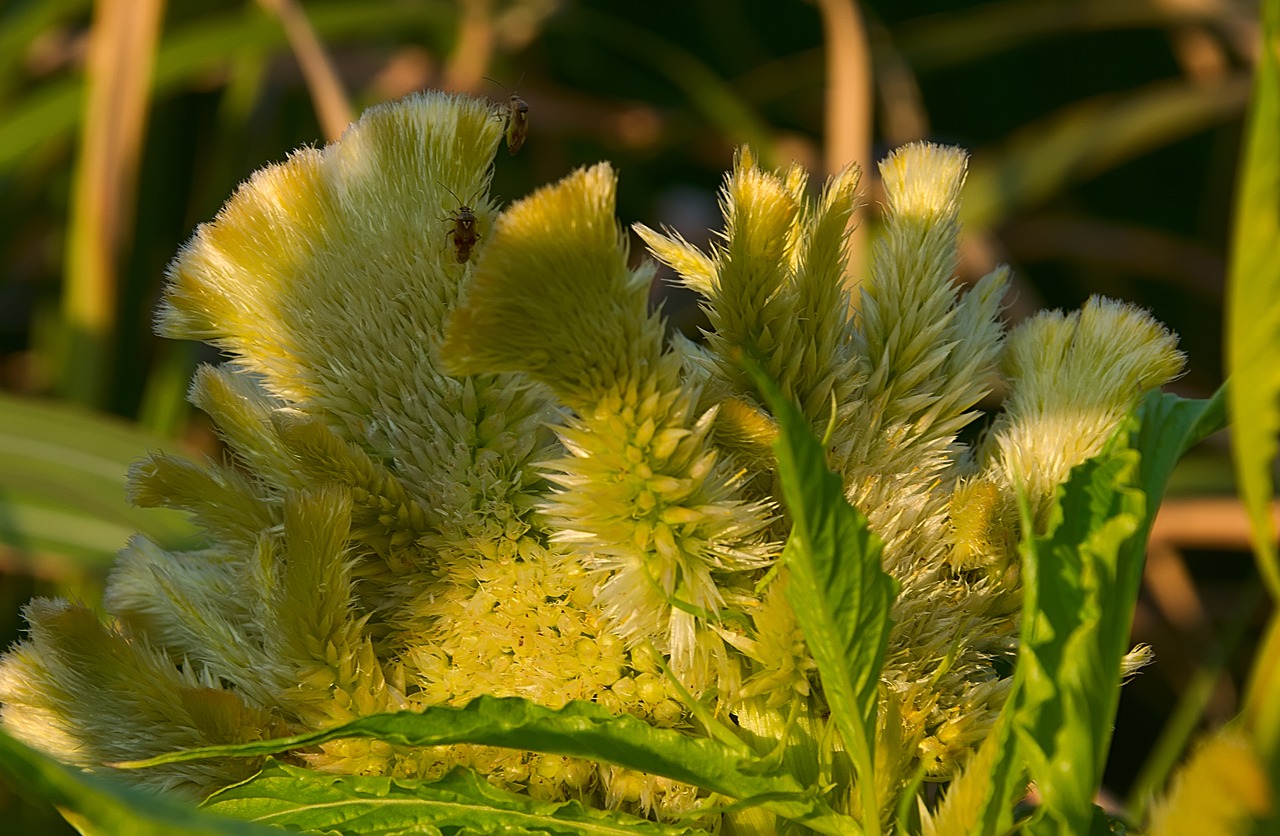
(163, 407)
(21, 27)
(333, 109)
(709, 94)
(848, 112)
(201, 48)
(1087, 138)
(122, 45)
(62, 487)
(1253, 360)
(938, 41)
(1187, 718)
(1253, 303)
(472, 50)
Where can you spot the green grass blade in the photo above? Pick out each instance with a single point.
(1188, 717)
(123, 41)
(22, 25)
(580, 729)
(1253, 303)
(1087, 138)
(976, 32)
(318, 802)
(838, 589)
(1262, 714)
(164, 407)
(49, 114)
(708, 93)
(98, 805)
(1253, 363)
(62, 486)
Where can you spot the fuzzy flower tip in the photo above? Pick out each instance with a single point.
(464, 459)
(645, 500)
(553, 296)
(1073, 377)
(923, 181)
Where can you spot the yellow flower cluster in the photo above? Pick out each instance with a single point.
(465, 470)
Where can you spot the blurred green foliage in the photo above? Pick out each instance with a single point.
(1104, 134)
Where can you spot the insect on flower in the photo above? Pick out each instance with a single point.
(517, 123)
(517, 119)
(463, 233)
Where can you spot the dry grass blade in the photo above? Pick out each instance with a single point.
(333, 107)
(848, 104)
(470, 58)
(121, 53)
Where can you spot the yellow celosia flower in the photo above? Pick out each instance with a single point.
(892, 387)
(645, 500)
(374, 545)
(493, 475)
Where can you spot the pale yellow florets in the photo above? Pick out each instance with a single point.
(645, 500)
(1072, 378)
(88, 695)
(373, 546)
(466, 470)
(783, 669)
(922, 181)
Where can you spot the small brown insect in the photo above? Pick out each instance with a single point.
(463, 233)
(517, 116)
(517, 123)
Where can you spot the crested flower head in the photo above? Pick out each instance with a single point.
(373, 545)
(464, 459)
(644, 500)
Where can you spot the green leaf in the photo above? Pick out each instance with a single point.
(839, 591)
(304, 799)
(1168, 427)
(580, 729)
(1253, 363)
(96, 804)
(1262, 716)
(1253, 302)
(62, 486)
(1081, 584)
(1080, 588)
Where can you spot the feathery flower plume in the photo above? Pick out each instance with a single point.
(465, 467)
(645, 501)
